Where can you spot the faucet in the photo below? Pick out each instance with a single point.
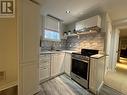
(52, 46)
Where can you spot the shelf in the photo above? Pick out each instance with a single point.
(86, 32)
(79, 33)
(71, 35)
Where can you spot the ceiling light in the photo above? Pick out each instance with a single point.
(67, 12)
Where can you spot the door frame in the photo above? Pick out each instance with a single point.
(117, 25)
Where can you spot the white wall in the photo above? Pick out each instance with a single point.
(8, 50)
(71, 26)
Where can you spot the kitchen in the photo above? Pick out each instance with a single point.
(61, 47)
(77, 53)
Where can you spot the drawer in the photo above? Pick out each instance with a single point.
(44, 65)
(45, 56)
(44, 73)
(44, 61)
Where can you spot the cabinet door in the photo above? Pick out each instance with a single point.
(29, 48)
(67, 63)
(60, 62)
(93, 75)
(44, 66)
(54, 66)
(30, 35)
(29, 79)
(44, 72)
(57, 64)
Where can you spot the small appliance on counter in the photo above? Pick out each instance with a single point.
(80, 68)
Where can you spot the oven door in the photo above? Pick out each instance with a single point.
(80, 68)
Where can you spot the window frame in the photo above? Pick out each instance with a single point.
(47, 39)
(59, 30)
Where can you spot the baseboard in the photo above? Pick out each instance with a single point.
(100, 85)
(8, 85)
(98, 90)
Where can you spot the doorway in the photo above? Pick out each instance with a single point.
(122, 52)
(115, 79)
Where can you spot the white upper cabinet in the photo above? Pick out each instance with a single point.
(30, 35)
(90, 22)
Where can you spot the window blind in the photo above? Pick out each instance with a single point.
(52, 24)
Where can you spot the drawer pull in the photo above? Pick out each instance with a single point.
(43, 68)
(44, 61)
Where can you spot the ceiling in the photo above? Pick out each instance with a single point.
(123, 32)
(115, 8)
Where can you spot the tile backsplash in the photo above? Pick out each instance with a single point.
(87, 41)
(48, 45)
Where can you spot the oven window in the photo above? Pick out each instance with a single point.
(79, 68)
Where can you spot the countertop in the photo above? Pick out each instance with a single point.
(61, 51)
(97, 56)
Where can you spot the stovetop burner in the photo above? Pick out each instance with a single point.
(80, 56)
(84, 54)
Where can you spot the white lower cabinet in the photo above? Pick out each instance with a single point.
(54, 64)
(97, 70)
(67, 63)
(57, 64)
(30, 80)
(44, 66)
(44, 72)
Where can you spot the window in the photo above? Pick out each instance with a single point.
(51, 35)
(52, 29)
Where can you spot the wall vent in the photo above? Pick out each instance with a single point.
(2, 75)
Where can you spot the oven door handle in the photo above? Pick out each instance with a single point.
(80, 60)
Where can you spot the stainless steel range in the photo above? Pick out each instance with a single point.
(80, 66)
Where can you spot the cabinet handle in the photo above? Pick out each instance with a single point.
(43, 68)
(45, 61)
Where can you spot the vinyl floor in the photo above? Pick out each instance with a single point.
(62, 85)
